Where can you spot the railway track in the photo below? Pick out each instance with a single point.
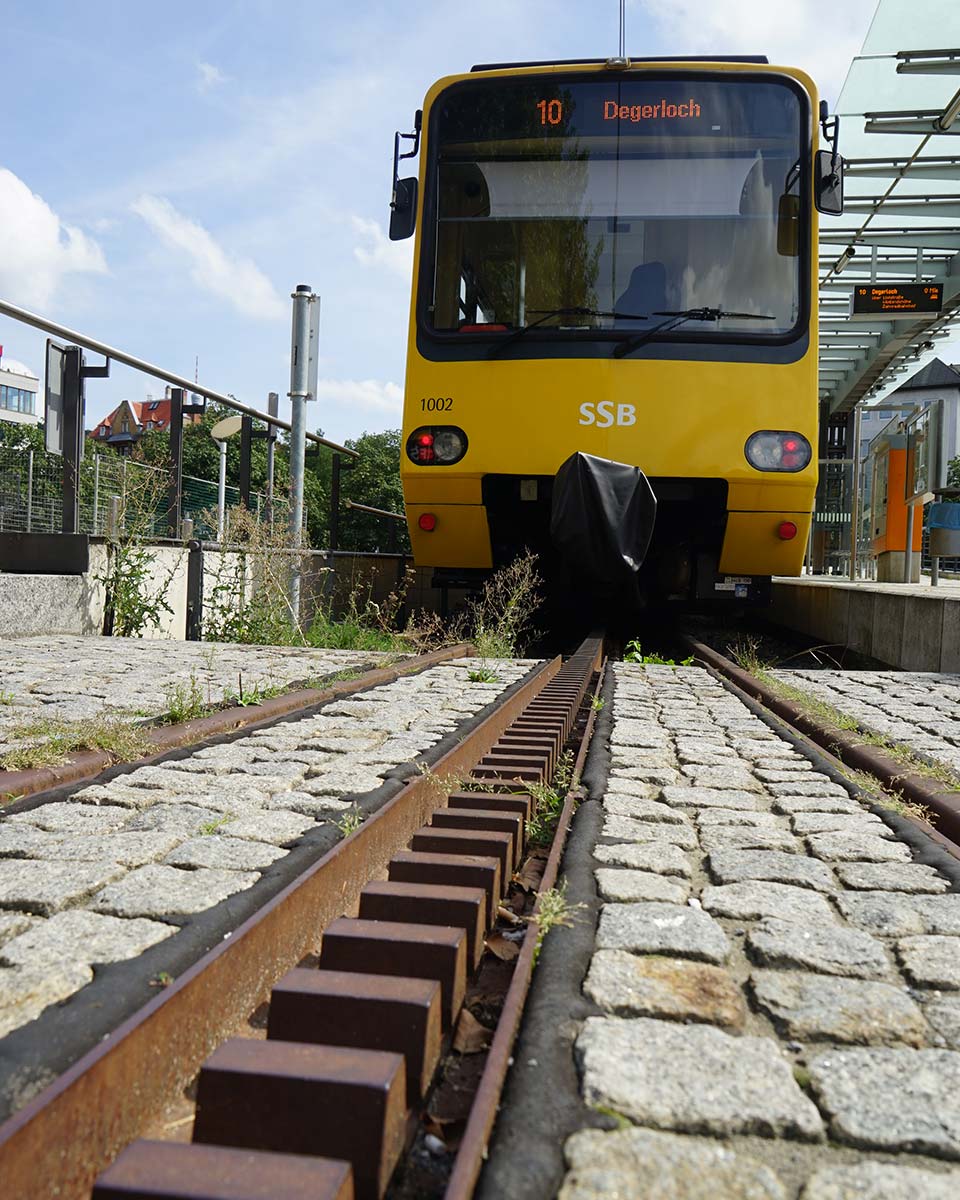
(843, 748)
(328, 1103)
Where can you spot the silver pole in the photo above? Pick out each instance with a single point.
(30, 492)
(855, 497)
(908, 549)
(96, 495)
(80, 339)
(299, 386)
(222, 493)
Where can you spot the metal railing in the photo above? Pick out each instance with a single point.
(114, 492)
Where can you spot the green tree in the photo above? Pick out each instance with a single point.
(374, 479)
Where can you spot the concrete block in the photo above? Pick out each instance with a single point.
(888, 621)
(922, 633)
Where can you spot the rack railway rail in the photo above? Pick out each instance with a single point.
(326, 1105)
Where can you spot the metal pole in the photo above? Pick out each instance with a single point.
(96, 495)
(30, 491)
(72, 433)
(139, 364)
(335, 503)
(246, 455)
(222, 493)
(298, 427)
(908, 549)
(175, 487)
(273, 407)
(855, 496)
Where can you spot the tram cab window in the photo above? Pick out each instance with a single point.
(622, 196)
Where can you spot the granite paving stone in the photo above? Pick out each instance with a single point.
(736, 866)
(692, 1078)
(183, 820)
(664, 858)
(640, 783)
(277, 828)
(672, 988)
(631, 885)
(857, 847)
(943, 1015)
(163, 892)
(818, 787)
(822, 804)
(734, 778)
(931, 961)
(881, 1181)
(227, 853)
(709, 797)
(747, 837)
(26, 991)
(891, 877)
(27, 841)
(45, 888)
(655, 928)
(733, 816)
(642, 809)
(14, 923)
(626, 830)
(810, 1007)
(820, 822)
(898, 915)
(891, 1099)
(635, 1163)
(84, 937)
(752, 900)
(63, 817)
(830, 949)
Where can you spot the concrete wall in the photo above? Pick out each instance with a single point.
(74, 604)
(913, 629)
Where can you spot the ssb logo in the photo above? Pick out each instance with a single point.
(605, 413)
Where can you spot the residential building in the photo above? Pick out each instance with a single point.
(19, 401)
(131, 419)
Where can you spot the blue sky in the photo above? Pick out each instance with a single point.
(168, 175)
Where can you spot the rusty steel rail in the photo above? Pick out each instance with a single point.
(483, 1114)
(86, 765)
(847, 747)
(58, 1143)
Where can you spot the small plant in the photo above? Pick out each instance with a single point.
(554, 910)
(185, 702)
(350, 821)
(51, 740)
(597, 703)
(161, 979)
(442, 785)
(502, 616)
(745, 652)
(633, 653)
(255, 695)
(548, 802)
(209, 827)
(483, 674)
(6, 697)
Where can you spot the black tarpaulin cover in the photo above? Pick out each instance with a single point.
(602, 519)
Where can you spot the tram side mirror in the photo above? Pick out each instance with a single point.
(403, 209)
(828, 182)
(788, 226)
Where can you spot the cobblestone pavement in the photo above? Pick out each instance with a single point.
(779, 983)
(917, 709)
(102, 876)
(79, 677)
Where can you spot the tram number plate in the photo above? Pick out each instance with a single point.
(737, 584)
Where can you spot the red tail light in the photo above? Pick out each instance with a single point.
(427, 522)
(787, 531)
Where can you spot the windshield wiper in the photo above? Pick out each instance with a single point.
(560, 312)
(675, 319)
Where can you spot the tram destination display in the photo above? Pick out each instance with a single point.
(895, 301)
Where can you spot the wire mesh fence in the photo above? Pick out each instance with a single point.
(115, 493)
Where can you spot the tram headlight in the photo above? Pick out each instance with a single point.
(777, 450)
(436, 445)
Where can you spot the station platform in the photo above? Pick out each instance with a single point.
(912, 627)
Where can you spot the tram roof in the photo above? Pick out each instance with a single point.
(599, 62)
(900, 120)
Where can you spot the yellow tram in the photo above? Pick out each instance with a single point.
(615, 262)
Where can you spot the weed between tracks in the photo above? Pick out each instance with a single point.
(52, 740)
(555, 911)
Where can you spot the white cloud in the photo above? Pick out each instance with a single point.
(819, 36)
(14, 364)
(230, 276)
(368, 394)
(376, 249)
(36, 248)
(209, 77)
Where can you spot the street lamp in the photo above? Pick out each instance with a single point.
(220, 432)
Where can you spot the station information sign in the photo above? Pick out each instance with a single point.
(895, 301)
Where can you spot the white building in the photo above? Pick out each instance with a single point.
(19, 401)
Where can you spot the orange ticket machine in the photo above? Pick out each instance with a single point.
(888, 510)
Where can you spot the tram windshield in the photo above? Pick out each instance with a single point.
(625, 199)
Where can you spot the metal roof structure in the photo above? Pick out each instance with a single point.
(900, 136)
